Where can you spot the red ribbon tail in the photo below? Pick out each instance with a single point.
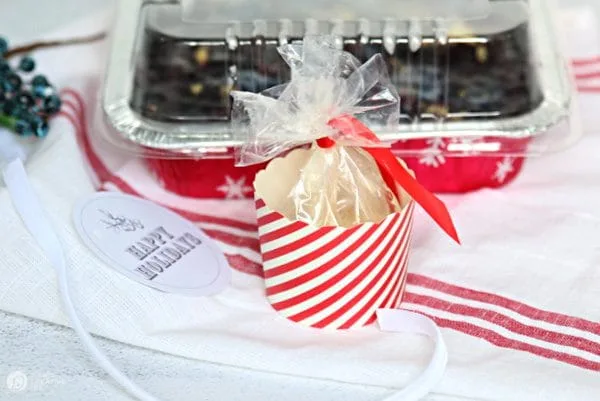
(395, 174)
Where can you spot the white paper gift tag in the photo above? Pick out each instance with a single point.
(151, 245)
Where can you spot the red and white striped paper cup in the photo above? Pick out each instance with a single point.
(332, 277)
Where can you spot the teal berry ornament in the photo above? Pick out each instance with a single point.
(23, 128)
(27, 64)
(40, 87)
(39, 125)
(41, 92)
(26, 104)
(3, 46)
(4, 67)
(39, 80)
(12, 82)
(52, 104)
(25, 99)
(10, 107)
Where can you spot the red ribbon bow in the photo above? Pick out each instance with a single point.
(394, 173)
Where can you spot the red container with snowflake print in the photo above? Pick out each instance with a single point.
(208, 177)
(483, 84)
(438, 168)
(443, 168)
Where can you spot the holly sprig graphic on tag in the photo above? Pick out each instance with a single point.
(120, 223)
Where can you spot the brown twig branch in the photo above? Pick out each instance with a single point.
(53, 43)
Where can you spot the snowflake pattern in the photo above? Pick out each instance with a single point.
(433, 154)
(469, 143)
(235, 189)
(503, 169)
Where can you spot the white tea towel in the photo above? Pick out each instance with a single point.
(505, 297)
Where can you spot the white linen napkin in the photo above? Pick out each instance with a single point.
(517, 299)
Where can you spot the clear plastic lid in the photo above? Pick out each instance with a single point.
(488, 74)
(222, 13)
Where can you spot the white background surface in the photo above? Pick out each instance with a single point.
(29, 345)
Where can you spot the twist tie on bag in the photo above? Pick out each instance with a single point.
(330, 99)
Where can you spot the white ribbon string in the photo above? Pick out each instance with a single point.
(403, 321)
(29, 208)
